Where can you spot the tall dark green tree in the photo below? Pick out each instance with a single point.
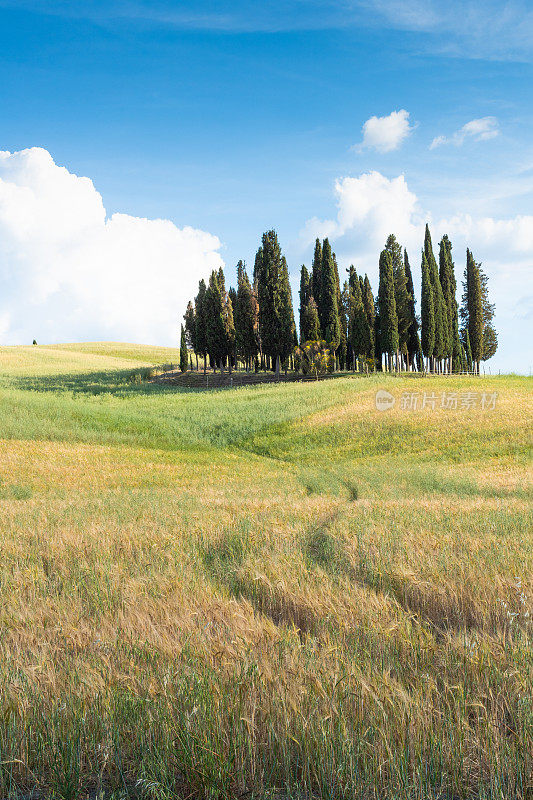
(449, 289)
(276, 318)
(288, 339)
(246, 318)
(201, 322)
(305, 296)
(370, 310)
(217, 341)
(190, 329)
(388, 319)
(468, 351)
(343, 321)
(490, 337)
(359, 328)
(427, 311)
(328, 310)
(441, 342)
(400, 293)
(413, 338)
(232, 295)
(229, 325)
(184, 355)
(316, 273)
(472, 310)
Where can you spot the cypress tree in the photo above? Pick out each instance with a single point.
(400, 292)
(276, 318)
(316, 273)
(468, 351)
(427, 311)
(347, 313)
(359, 330)
(190, 329)
(370, 310)
(229, 327)
(472, 310)
(388, 319)
(343, 322)
(328, 311)
(200, 322)
(245, 315)
(287, 328)
(305, 296)
(449, 288)
(311, 324)
(184, 355)
(217, 342)
(490, 337)
(413, 338)
(440, 346)
(190, 326)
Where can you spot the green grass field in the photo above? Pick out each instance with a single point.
(269, 591)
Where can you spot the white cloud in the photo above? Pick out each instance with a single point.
(69, 272)
(386, 133)
(477, 129)
(372, 206)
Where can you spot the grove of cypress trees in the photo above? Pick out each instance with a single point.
(305, 296)
(427, 312)
(388, 319)
(184, 355)
(328, 310)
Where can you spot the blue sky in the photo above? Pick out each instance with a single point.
(232, 118)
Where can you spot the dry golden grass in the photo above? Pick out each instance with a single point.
(313, 597)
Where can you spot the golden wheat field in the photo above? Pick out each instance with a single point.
(267, 591)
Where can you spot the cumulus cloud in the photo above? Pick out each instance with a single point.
(371, 206)
(70, 272)
(386, 133)
(479, 130)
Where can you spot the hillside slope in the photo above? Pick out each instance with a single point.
(269, 588)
